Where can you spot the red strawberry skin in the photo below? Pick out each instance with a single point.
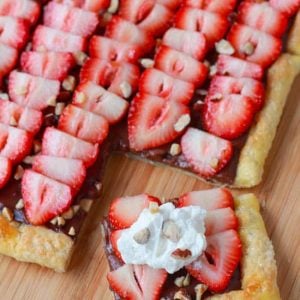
(5, 170)
(114, 237)
(9, 57)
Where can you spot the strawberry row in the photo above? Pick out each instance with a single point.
(99, 100)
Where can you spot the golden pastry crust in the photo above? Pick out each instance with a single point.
(35, 244)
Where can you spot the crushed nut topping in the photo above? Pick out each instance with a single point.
(52, 101)
(37, 146)
(181, 296)
(28, 160)
(98, 186)
(175, 149)
(201, 92)
(142, 236)
(72, 231)
(214, 163)
(86, 204)
(80, 57)
(61, 221)
(171, 231)
(13, 121)
(147, 63)
(20, 204)
(248, 48)
(224, 47)
(153, 207)
(179, 281)
(7, 214)
(126, 89)
(69, 214)
(113, 7)
(4, 96)
(182, 122)
(76, 209)
(187, 280)
(80, 97)
(19, 172)
(213, 70)
(54, 221)
(200, 289)
(69, 83)
(59, 108)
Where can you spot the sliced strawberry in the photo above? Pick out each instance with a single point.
(60, 144)
(207, 199)
(111, 75)
(50, 65)
(46, 38)
(25, 9)
(220, 220)
(236, 67)
(254, 45)
(96, 99)
(83, 124)
(206, 153)
(180, 66)
(189, 42)
(263, 16)
(69, 171)
(157, 83)
(32, 91)
(288, 7)
(212, 25)
(222, 7)
(114, 237)
(126, 32)
(229, 117)
(5, 170)
(226, 85)
(111, 50)
(124, 211)
(22, 117)
(70, 19)
(171, 4)
(44, 198)
(15, 143)
(13, 31)
(216, 266)
(9, 57)
(96, 6)
(152, 121)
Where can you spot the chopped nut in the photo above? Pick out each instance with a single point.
(61, 221)
(20, 204)
(21, 90)
(51, 101)
(69, 214)
(86, 204)
(181, 254)
(28, 47)
(214, 163)
(224, 47)
(248, 48)
(171, 231)
(72, 231)
(153, 207)
(113, 7)
(98, 186)
(69, 83)
(37, 146)
(181, 296)
(80, 97)
(28, 160)
(201, 92)
(8, 214)
(142, 236)
(80, 57)
(13, 121)
(59, 108)
(147, 63)
(19, 172)
(187, 280)
(200, 289)
(179, 281)
(213, 70)
(206, 63)
(4, 96)
(175, 149)
(54, 221)
(76, 209)
(182, 122)
(216, 97)
(126, 89)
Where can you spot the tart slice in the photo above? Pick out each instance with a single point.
(205, 244)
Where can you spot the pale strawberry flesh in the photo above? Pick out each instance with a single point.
(288, 7)
(9, 57)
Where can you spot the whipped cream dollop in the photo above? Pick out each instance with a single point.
(168, 238)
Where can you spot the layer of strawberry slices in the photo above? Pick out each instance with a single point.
(211, 272)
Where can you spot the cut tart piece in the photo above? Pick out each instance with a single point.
(236, 255)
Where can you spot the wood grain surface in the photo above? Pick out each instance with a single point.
(86, 278)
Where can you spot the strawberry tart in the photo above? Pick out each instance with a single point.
(197, 85)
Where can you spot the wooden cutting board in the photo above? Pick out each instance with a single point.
(86, 278)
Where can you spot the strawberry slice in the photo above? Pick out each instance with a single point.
(222, 7)
(226, 85)
(254, 45)
(25, 9)
(208, 199)
(152, 121)
(111, 50)
(46, 38)
(180, 66)
(83, 124)
(135, 11)
(9, 57)
(69, 171)
(157, 83)
(212, 25)
(124, 211)
(220, 220)
(32, 91)
(5, 170)
(44, 198)
(236, 67)
(263, 16)
(135, 282)
(15, 143)
(206, 153)
(96, 6)
(114, 237)
(96, 99)
(111, 76)
(171, 4)
(189, 42)
(50, 65)
(229, 117)
(70, 19)
(14, 31)
(288, 7)
(60, 144)
(126, 32)
(22, 117)
(222, 255)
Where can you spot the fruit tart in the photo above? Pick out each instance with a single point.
(203, 245)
